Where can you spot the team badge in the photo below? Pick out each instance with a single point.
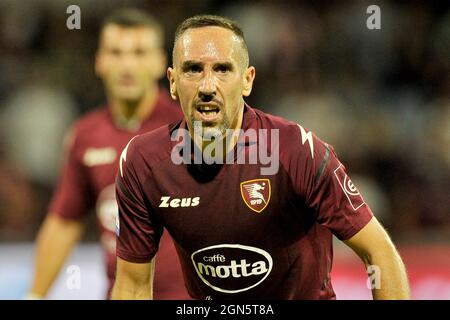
(256, 194)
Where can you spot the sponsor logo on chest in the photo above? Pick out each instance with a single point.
(232, 268)
(98, 156)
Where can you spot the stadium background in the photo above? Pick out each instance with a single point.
(381, 97)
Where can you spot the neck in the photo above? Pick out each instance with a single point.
(130, 114)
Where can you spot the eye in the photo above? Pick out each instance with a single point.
(115, 52)
(222, 68)
(139, 52)
(193, 68)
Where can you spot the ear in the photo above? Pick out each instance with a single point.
(249, 76)
(173, 87)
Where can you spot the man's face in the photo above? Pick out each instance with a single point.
(129, 61)
(210, 78)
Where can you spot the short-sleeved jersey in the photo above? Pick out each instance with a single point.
(87, 184)
(239, 233)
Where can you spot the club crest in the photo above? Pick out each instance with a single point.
(256, 194)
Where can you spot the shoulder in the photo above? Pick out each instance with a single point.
(287, 129)
(293, 137)
(302, 155)
(300, 151)
(151, 147)
(81, 130)
(165, 99)
(91, 121)
(290, 132)
(271, 121)
(167, 104)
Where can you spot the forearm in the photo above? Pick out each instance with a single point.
(122, 291)
(387, 275)
(55, 241)
(134, 281)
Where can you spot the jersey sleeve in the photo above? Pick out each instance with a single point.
(138, 233)
(72, 197)
(327, 189)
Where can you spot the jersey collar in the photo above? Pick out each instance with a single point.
(161, 100)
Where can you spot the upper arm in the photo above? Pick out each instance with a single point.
(370, 240)
(138, 231)
(322, 181)
(73, 196)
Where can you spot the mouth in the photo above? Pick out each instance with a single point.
(127, 81)
(207, 112)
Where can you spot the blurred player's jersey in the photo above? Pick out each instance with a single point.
(87, 182)
(241, 234)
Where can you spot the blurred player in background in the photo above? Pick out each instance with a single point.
(130, 60)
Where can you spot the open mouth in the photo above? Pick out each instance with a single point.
(208, 112)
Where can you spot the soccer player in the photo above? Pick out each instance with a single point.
(240, 231)
(130, 61)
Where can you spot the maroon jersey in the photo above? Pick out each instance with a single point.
(87, 182)
(238, 233)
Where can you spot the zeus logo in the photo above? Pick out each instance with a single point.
(307, 137)
(176, 202)
(123, 156)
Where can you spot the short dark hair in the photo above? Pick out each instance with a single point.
(132, 17)
(206, 20)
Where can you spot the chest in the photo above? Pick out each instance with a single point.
(100, 154)
(236, 205)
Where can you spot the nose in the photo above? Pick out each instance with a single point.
(207, 89)
(128, 61)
